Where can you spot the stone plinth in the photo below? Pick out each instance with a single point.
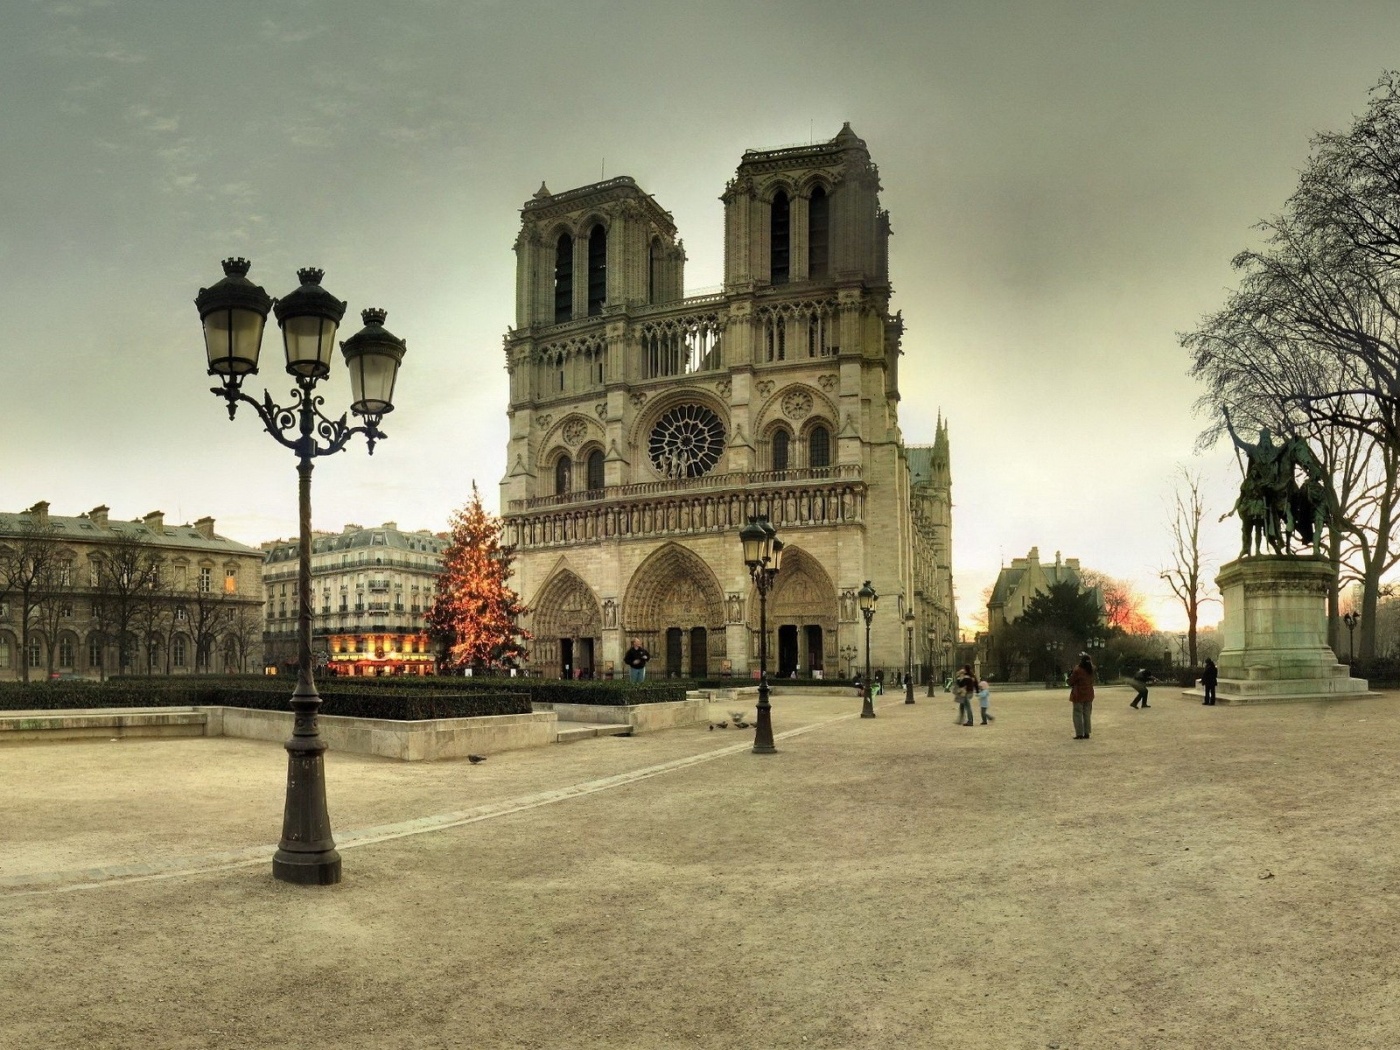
(1275, 633)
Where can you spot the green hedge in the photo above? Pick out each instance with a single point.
(262, 695)
(272, 692)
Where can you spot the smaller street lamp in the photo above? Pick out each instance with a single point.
(909, 657)
(868, 600)
(849, 654)
(1351, 619)
(763, 554)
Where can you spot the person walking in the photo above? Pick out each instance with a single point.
(1209, 677)
(966, 688)
(636, 659)
(984, 701)
(1081, 695)
(1140, 682)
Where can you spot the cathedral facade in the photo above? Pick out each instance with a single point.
(647, 427)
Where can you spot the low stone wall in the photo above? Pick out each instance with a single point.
(20, 727)
(643, 718)
(409, 741)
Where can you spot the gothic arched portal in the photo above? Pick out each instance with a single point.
(802, 618)
(675, 605)
(568, 627)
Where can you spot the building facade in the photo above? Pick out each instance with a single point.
(138, 596)
(1015, 586)
(370, 591)
(646, 427)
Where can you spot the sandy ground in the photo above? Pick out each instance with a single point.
(1190, 877)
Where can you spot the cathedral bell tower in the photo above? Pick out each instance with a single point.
(647, 427)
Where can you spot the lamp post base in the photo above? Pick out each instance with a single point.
(763, 724)
(867, 707)
(307, 869)
(909, 689)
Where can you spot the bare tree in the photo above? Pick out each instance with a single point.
(27, 564)
(56, 601)
(127, 574)
(1310, 342)
(1186, 575)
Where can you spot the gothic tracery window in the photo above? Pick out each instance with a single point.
(686, 442)
(819, 447)
(597, 270)
(818, 232)
(781, 440)
(595, 469)
(564, 279)
(778, 241)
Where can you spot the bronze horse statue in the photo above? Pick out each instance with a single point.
(1273, 515)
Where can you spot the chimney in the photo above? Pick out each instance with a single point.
(39, 514)
(98, 516)
(1034, 556)
(390, 525)
(155, 521)
(205, 527)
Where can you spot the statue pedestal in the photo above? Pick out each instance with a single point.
(1275, 634)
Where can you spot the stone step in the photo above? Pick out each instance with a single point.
(568, 732)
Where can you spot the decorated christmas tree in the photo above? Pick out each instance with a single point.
(475, 615)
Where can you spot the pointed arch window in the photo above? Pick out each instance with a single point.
(818, 232)
(564, 279)
(779, 266)
(563, 475)
(654, 271)
(597, 270)
(781, 441)
(595, 469)
(819, 447)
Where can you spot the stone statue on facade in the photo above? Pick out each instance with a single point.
(1273, 506)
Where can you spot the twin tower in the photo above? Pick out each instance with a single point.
(646, 427)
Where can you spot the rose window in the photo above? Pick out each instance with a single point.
(686, 442)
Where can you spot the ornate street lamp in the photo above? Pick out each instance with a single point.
(849, 654)
(233, 313)
(1351, 619)
(909, 657)
(763, 554)
(868, 601)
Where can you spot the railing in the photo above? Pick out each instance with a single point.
(707, 483)
(802, 505)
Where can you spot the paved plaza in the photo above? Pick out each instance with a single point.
(1190, 877)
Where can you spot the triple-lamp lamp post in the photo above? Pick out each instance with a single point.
(233, 313)
(1351, 619)
(763, 554)
(868, 600)
(909, 656)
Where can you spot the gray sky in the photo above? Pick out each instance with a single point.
(1067, 183)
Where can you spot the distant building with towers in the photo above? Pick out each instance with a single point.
(646, 427)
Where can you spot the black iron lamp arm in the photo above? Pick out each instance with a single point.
(300, 424)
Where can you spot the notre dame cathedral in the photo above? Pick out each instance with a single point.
(646, 427)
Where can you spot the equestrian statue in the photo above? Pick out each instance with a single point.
(1273, 506)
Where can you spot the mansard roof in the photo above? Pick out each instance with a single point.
(82, 529)
(387, 536)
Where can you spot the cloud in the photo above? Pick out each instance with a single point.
(279, 34)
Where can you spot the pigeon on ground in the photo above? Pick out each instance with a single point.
(474, 759)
